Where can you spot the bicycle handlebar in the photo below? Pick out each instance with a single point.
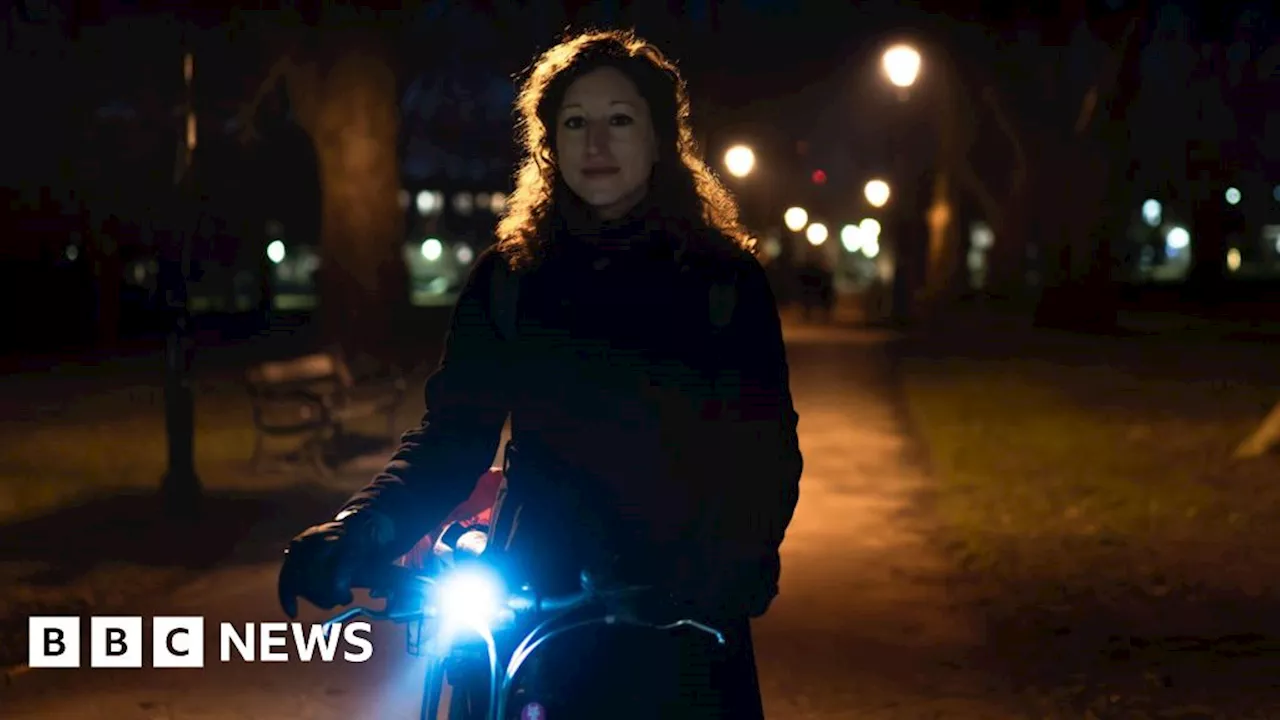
(407, 593)
(398, 583)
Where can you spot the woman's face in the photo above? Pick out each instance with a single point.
(605, 143)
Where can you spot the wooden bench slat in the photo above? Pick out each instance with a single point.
(313, 396)
(310, 367)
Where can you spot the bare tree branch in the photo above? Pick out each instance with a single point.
(974, 184)
(1019, 176)
(299, 79)
(1088, 104)
(1109, 80)
(280, 70)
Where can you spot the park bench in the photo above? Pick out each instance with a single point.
(315, 398)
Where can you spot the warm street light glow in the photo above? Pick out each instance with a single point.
(795, 218)
(740, 160)
(902, 65)
(877, 192)
(816, 234)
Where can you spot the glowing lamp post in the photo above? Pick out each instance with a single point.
(740, 160)
(180, 487)
(877, 193)
(901, 64)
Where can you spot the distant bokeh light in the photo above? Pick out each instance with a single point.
(795, 218)
(816, 234)
(275, 251)
(1152, 212)
(432, 249)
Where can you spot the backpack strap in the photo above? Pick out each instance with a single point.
(504, 290)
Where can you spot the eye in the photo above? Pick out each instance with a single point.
(621, 119)
(575, 122)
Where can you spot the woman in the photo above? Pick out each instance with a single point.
(653, 431)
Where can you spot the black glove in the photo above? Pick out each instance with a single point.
(321, 561)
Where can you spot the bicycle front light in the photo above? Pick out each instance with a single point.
(469, 598)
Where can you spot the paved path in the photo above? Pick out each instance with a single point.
(863, 627)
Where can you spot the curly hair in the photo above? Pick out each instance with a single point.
(684, 188)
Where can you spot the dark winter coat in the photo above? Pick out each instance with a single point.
(643, 431)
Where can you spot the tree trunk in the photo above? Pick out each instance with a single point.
(944, 264)
(1097, 195)
(1208, 270)
(1079, 290)
(108, 274)
(354, 122)
(1071, 205)
(1007, 259)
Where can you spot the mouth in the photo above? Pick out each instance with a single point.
(599, 172)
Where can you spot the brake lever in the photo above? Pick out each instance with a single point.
(346, 615)
(628, 616)
(628, 619)
(719, 636)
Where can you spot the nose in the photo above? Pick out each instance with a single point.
(597, 138)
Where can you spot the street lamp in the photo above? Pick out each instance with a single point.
(740, 160)
(901, 64)
(795, 218)
(180, 486)
(876, 192)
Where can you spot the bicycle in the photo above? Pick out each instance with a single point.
(468, 596)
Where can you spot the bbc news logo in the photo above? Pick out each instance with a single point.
(179, 642)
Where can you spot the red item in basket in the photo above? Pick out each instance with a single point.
(475, 510)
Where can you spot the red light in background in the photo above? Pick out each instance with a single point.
(819, 177)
